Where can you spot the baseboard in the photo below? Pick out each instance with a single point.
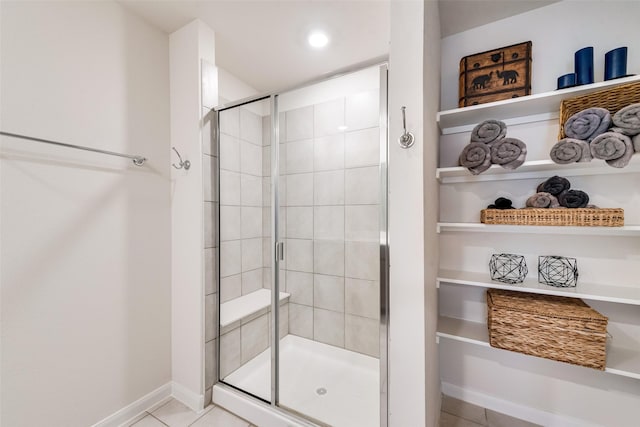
(193, 400)
(131, 412)
(527, 413)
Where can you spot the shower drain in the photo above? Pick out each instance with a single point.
(321, 391)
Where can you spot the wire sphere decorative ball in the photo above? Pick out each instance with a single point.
(508, 268)
(558, 271)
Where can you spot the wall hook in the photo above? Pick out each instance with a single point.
(407, 139)
(186, 164)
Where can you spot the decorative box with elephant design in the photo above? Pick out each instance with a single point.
(495, 75)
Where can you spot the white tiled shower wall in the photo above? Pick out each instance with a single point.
(329, 166)
(243, 201)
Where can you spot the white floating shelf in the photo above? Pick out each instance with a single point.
(526, 109)
(463, 330)
(623, 361)
(534, 169)
(610, 293)
(474, 227)
(620, 361)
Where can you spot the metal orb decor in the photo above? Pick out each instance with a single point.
(508, 268)
(558, 271)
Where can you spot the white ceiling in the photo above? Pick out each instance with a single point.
(263, 42)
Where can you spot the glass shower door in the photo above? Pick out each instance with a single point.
(245, 249)
(330, 174)
(303, 211)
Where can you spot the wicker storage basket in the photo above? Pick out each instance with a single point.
(613, 99)
(583, 217)
(556, 328)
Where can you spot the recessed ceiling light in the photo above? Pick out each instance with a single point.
(318, 39)
(342, 128)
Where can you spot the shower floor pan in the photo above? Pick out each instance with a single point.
(332, 385)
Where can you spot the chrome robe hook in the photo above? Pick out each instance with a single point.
(186, 164)
(406, 140)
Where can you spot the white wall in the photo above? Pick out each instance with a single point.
(431, 81)
(85, 241)
(413, 384)
(231, 88)
(605, 25)
(193, 221)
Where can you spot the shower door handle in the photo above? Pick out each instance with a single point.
(279, 251)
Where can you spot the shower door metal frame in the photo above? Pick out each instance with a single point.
(277, 245)
(384, 246)
(217, 110)
(278, 252)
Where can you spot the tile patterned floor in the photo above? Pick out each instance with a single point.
(457, 413)
(175, 414)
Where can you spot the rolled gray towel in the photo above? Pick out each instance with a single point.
(587, 124)
(476, 157)
(489, 132)
(570, 150)
(629, 151)
(628, 132)
(509, 153)
(574, 199)
(615, 148)
(636, 143)
(628, 118)
(554, 185)
(542, 200)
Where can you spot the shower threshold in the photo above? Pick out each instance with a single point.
(335, 386)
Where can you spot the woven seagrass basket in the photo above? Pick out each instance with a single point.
(613, 99)
(582, 217)
(556, 328)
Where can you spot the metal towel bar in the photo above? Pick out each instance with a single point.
(137, 160)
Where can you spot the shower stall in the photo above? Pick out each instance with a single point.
(303, 264)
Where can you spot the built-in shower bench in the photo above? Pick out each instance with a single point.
(246, 308)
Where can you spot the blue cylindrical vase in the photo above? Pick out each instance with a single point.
(615, 63)
(568, 80)
(584, 66)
